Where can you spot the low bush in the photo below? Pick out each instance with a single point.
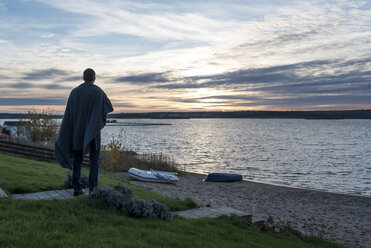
(122, 199)
(84, 180)
(40, 129)
(278, 226)
(117, 158)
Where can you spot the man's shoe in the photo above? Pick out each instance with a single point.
(77, 193)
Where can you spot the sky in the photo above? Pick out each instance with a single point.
(170, 55)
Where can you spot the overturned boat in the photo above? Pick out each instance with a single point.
(223, 177)
(153, 175)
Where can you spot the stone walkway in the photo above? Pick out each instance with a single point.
(2, 193)
(204, 212)
(48, 195)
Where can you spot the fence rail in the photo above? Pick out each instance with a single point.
(34, 152)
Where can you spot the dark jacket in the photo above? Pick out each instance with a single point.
(84, 117)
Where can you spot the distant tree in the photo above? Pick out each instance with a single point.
(39, 127)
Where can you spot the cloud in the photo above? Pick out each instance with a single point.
(260, 51)
(124, 105)
(297, 102)
(184, 100)
(31, 101)
(46, 36)
(314, 84)
(40, 86)
(70, 79)
(54, 87)
(155, 21)
(306, 77)
(20, 85)
(43, 74)
(144, 78)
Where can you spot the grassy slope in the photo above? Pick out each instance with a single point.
(21, 175)
(85, 222)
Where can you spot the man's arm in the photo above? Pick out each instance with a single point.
(107, 108)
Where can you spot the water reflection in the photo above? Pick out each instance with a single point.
(322, 154)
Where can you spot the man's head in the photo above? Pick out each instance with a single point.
(89, 75)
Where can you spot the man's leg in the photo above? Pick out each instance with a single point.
(76, 172)
(94, 163)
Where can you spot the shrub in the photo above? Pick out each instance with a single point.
(38, 128)
(84, 180)
(122, 198)
(124, 191)
(158, 161)
(279, 226)
(115, 157)
(112, 154)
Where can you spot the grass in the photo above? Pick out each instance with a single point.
(22, 175)
(85, 222)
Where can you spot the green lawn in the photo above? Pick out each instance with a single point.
(85, 222)
(22, 175)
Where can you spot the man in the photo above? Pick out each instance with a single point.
(84, 117)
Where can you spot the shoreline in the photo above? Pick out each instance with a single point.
(290, 186)
(343, 218)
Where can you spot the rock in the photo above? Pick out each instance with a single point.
(247, 219)
(259, 223)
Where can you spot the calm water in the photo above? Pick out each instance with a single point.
(333, 155)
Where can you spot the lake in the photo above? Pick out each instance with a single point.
(331, 155)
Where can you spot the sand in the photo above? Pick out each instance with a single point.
(338, 217)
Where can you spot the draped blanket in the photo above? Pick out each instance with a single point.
(84, 117)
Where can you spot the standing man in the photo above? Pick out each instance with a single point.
(84, 117)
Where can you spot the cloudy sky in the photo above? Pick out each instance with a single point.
(187, 55)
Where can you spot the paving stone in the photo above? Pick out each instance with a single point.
(59, 197)
(59, 192)
(42, 196)
(31, 196)
(209, 212)
(66, 194)
(18, 196)
(2, 193)
(52, 193)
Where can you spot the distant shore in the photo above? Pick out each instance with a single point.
(320, 114)
(338, 217)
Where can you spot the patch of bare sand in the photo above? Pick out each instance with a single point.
(338, 217)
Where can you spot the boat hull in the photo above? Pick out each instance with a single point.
(223, 177)
(153, 176)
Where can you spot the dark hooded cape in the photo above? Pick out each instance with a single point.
(84, 117)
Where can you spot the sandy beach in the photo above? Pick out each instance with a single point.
(338, 217)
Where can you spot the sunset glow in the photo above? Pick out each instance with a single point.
(187, 56)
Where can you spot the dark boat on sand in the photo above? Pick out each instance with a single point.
(223, 177)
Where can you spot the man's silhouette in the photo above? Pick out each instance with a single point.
(84, 117)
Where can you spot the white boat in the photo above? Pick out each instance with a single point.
(153, 175)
